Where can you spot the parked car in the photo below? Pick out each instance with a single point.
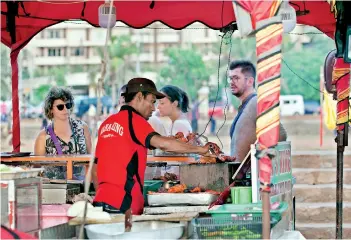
(312, 107)
(83, 106)
(291, 105)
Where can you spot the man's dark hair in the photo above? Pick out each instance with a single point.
(128, 97)
(246, 68)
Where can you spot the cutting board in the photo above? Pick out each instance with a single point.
(117, 218)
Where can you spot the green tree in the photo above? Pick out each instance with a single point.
(305, 63)
(58, 75)
(185, 68)
(40, 93)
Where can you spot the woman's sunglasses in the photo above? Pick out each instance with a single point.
(61, 106)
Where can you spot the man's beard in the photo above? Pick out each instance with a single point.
(238, 94)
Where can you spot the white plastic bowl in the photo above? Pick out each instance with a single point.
(140, 230)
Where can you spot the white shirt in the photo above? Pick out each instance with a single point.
(157, 125)
(179, 125)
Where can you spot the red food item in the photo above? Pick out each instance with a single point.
(195, 190)
(191, 136)
(179, 135)
(207, 160)
(179, 188)
(212, 192)
(214, 148)
(225, 158)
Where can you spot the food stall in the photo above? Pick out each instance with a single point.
(18, 29)
(182, 197)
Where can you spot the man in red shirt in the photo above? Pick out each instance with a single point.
(121, 151)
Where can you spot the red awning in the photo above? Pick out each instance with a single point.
(22, 20)
(34, 16)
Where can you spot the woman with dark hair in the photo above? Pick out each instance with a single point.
(174, 106)
(64, 135)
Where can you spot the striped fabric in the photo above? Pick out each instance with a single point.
(341, 79)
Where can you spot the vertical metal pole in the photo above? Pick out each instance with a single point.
(321, 107)
(339, 179)
(266, 216)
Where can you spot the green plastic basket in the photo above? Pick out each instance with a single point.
(252, 209)
(226, 227)
(151, 185)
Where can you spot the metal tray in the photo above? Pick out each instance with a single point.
(161, 153)
(140, 230)
(195, 199)
(20, 174)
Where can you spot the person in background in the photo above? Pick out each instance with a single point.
(64, 135)
(195, 115)
(121, 100)
(241, 77)
(175, 105)
(44, 123)
(121, 151)
(212, 120)
(157, 124)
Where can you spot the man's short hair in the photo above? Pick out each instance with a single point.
(246, 68)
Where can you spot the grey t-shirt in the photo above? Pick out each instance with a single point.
(245, 131)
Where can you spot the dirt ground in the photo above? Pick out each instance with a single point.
(303, 132)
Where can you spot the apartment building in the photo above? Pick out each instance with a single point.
(76, 43)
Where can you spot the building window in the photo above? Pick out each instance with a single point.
(79, 51)
(54, 52)
(54, 33)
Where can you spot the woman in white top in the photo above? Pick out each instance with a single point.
(174, 106)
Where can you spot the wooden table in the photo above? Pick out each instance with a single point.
(68, 161)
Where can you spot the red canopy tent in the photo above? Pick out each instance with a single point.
(22, 20)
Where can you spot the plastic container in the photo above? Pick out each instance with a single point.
(227, 227)
(151, 185)
(247, 210)
(241, 195)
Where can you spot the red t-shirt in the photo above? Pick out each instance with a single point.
(121, 153)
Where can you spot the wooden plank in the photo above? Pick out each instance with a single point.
(209, 176)
(74, 158)
(118, 218)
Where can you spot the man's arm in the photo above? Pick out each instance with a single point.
(172, 145)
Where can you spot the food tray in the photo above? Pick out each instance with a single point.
(10, 175)
(166, 199)
(140, 230)
(161, 153)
